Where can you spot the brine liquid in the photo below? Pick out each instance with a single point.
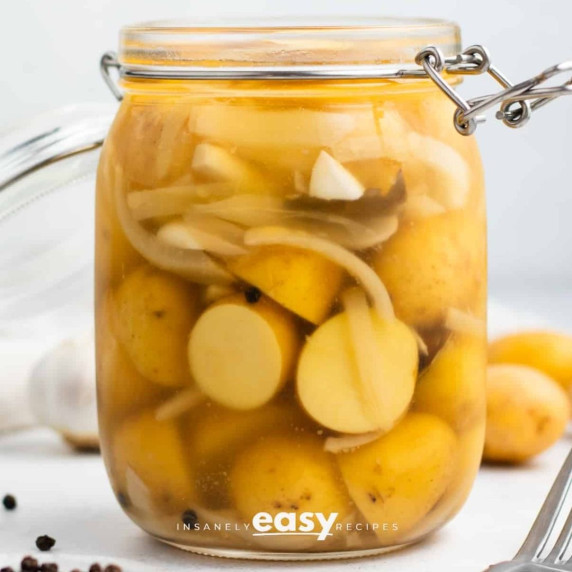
(290, 307)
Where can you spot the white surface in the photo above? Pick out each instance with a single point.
(54, 49)
(66, 495)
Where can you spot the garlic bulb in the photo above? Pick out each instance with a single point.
(63, 394)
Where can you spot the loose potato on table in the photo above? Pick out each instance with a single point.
(154, 314)
(401, 476)
(433, 264)
(527, 412)
(549, 352)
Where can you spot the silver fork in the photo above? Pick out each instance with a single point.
(529, 558)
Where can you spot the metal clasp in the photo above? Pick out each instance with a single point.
(516, 101)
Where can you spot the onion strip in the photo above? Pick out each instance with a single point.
(179, 404)
(343, 443)
(355, 266)
(191, 264)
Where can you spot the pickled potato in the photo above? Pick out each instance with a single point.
(329, 381)
(150, 457)
(154, 314)
(301, 281)
(242, 353)
(281, 473)
(122, 389)
(432, 264)
(452, 387)
(400, 477)
(527, 412)
(549, 352)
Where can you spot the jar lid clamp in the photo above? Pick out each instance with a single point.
(516, 101)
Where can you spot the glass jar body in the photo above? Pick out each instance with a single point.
(290, 314)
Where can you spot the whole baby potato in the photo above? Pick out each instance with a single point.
(433, 264)
(549, 352)
(154, 314)
(527, 412)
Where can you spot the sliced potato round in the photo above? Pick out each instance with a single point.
(399, 478)
(330, 380)
(241, 354)
(527, 412)
(549, 352)
(433, 264)
(301, 281)
(154, 313)
(453, 386)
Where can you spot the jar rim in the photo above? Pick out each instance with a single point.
(239, 43)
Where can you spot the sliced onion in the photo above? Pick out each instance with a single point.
(254, 211)
(170, 201)
(355, 266)
(181, 234)
(191, 264)
(464, 323)
(422, 206)
(365, 351)
(179, 404)
(348, 442)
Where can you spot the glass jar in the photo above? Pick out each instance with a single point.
(290, 290)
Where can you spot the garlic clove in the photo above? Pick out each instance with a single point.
(62, 391)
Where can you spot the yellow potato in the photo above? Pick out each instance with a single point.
(217, 435)
(301, 281)
(467, 463)
(149, 462)
(152, 141)
(433, 264)
(527, 412)
(121, 388)
(287, 474)
(549, 352)
(400, 477)
(242, 353)
(154, 314)
(453, 386)
(331, 385)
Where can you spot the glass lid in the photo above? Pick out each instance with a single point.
(347, 41)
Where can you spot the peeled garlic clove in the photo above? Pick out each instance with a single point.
(63, 394)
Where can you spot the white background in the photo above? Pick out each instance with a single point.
(50, 52)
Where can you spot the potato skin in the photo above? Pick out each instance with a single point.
(549, 352)
(433, 264)
(400, 477)
(453, 385)
(282, 473)
(527, 412)
(154, 314)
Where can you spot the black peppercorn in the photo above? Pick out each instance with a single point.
(95, 568)
(49, 567)
(45, 543)
(7, 569)
(9, 502)
(252, 295)
(29, 564)
(190, 519)
(112, 568)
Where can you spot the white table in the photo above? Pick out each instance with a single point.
(66, 495)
